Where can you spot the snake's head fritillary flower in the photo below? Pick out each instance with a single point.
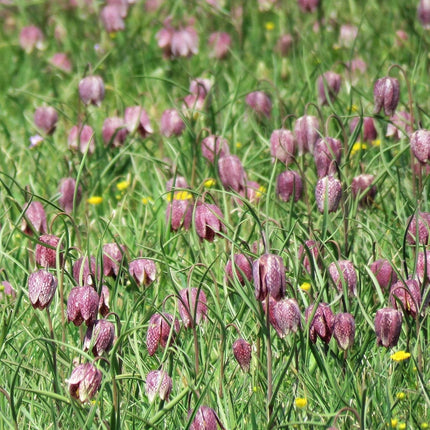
(268, 273)
(344, 330)
(322, 323)
(81, 138)
(85, 272)
(368, 129)
(328, 85)
(242, 268)
(41, 288)
(192, 306)
(214, 148)
(308, 5)
(362, 187)
(84, 382)
(136, 119)
(342, 272)
(92, 90)
(200, 87)
(70, 194)
(208, 221)
(114, 131)
(82, 305)
(310, 249)
(260, 103)
(384, 273)
(99, 337)
(184, 42)
(328, 192)
(423, 12)
(283, 146)
(112, 19)
(284, 44)
(35, 214)
(306, 129)
(31, 38)
(113, 255)
(171, 123)
(388, 325)
(289, 185)
(386, 94)
(158, 382)
(205, 419)
(284, 315)
(219, 43)
(45, 119)
(400, 125)
(61, 61)
(418, 228)
(327, 155)
(406, 295)
(242, 352)
(143, 271)
(420, 145)
(104, 308)
(6, 290)
(232, 173)
(179, 213)
(347, 35)
(159, 328)
(46, 256)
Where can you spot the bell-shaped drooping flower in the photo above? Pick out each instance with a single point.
(208, 221)
(254, 191)
(284, 315)
(193, 103)
(36, 217)
(192, 306)
(268, 273)
(104, 308)
(284, 44)
(308, 5)
(283, 146)
(322, 323)
(423, 12)
(406, 296)
(362, 187)
(328, 85)
(41, 288)
(200, 87)
(176, 182)
(31, 38)
(171, 123)
(344, 330)
(159, 328)
(232, 173)
(306, 129)
(136, 119)
(92, 90)
(114, 131)
(347, 35)
(81, 138)
(242, 268)
(184, 42)
(219, 44)
(327, 155)
(143, 271)
(84, 382)
(6, 290)
(46, 256)
(342, 273)
(289, 184)
(310, 248)
(260, 103)
(388, 325)
(82, 305)
(214, 148)
(99, 337)
(122, 5)
(368, 129)
(384, 273)
(400, 125)
(85, 271)
(418, 228)
(420, 145)
(328, 193)
(179, 213)
(61, 61)
(242, 352)
(70, 194)
(158, 382)
(205, 419)
(386, 94)
(112, 19)
(113, 255)
(45, 119)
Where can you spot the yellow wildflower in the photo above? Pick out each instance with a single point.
(306, 286)
(376, 142)
(146, 200)
(400, 356)
(183, 195)
(358, 146)
(400, 395)
(401, 426)
(269, 26)
(354, 108)
(261, 190)
(238, 145)
(123, 185)
(394, 422)
(95, 200)
(209, 183)
(300, 402)
(424, 426)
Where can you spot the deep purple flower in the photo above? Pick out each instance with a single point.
(327, 155)
(242, 266)
(283, 145)
(289, 184)
(368, 129)
(100, 336)
(208, 221)
(362, 186)
(143, 271)
(420, 145)
(384, 273)
(45, 119)
(192, 306)
(342, 273)
(92, 90)
(268, 273)
(386, 94)
(423, 12)
(328, 191)
(406, 295)
(260, 102)
(36, 216)
(242, 352)
(328, 84)
(159, 328)
(113, 256)
(136, 119)
(41, 288)
(84, 271)
(179, 213)
(418, 228)
(81, 138)
(171, 123)
(232, 173)
(214, 147)
(306, 129)
(46, 256)
(284, 315)
(70, 195)
(205, 419)
(84, 382)
(322, 323)
(388, 325)
(344, 330)
(312, 248)
(158, 382)
(82, 305)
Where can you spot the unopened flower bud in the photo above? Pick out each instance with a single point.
(268, 273)
(328, 191)
(386, 94)
(388, 325)
(242, 351)
(41, 288)
(344, 330)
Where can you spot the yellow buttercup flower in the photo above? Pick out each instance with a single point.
(306, 286)
(146, 200)
(209, 183)
(123, 185)
(269, 26)
(183, 195)
(354, 108)
(358, 146)
(376, 142)
(424, 426)
(400, 356)
(394, 423)
(238, 145)
(401, 426)
(400, 395)
(300, 402)
(95, 200)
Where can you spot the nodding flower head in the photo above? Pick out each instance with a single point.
(420, 145)
(46, 251)
(143, 271)
(344, 330)
(208, 221)
(328, 191)
(242, 351)
(158, 382)
(283, 146)
(99, 337)
(406, 295)
(84, 382)
(36, 216)
(192, 306)
(388, 325)
(242, 269)
(260, 103)
(386, 94)
(82, 305)
(268, 273)
(41, 288)
(322, 323)
(284, 315)
(92, 90)
(328, 84)
(159, 328)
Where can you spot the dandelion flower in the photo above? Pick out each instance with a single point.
(306, 286)
(95, 200)
(400, 395)
(400, 356)
(123, 185)
(269, 26)
(300, 402)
